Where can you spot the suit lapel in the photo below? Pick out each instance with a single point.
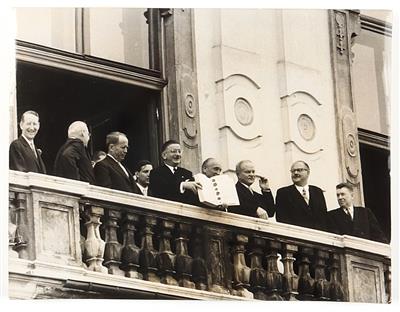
(31, 152)
(118, 169)
(299, 199)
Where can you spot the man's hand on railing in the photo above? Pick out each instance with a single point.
(262, 213)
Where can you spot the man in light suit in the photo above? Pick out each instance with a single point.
(142, 177)
(23, 154)
(300, 203)
(252, 203)
(351, 220)
(110, 172)
(72, 160)
(170, 181)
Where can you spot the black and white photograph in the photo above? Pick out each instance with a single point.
(201, 153)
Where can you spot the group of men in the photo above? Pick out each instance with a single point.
(299, 204)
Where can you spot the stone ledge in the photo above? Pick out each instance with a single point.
(36, 272)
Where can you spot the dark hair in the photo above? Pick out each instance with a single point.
(346, 185)
(113, 138)
(168, 143)
(29, 112)
(141, 163)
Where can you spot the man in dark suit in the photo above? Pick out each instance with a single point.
(23, 154)
(252, 203)
(350, 220)
(169, 181)
(300, 203)
(72, 160)
(110, 172)
(142, 177)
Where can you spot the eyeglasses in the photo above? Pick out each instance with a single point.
(298, 170)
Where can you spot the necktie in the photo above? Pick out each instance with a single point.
(304, 193)
(33, 148)
(251, 190)
(347, 211)
(175, 169)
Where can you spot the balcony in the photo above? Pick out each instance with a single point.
(69, 239)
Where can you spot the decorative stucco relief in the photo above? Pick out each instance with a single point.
(189, 116)
(301, 122)
(238, 112)
(340, 19)
(351, 149)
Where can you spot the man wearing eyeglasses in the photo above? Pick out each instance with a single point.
(72, 160)
(300, 203)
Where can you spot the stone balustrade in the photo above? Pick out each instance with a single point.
(72, 239)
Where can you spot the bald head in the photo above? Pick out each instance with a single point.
(79, 130)
(211, 167)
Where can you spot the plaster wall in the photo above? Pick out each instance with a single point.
(266, 92)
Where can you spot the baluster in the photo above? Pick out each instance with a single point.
(112, 253)
(12, 227)
(199, 271)
(166, 257)
(273, 276)
(219, 277)
(388, 281)
(94, 245)
(21, 236)
(290, 279)
(336, 289)
(183, 260)
(130, 251)
(257, 274)
(306, 282)
(241, 272)
(148, 256)
(322, 286)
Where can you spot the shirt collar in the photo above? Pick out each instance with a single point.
(300, 188)
(171, 167)
(247, 186)
(142, 188)
(28, 141)
(113, 157)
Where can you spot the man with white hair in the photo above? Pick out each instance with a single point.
(73, 160)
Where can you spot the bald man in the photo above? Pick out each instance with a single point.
(73, 160)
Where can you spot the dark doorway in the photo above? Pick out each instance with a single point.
(61, 97)
(376, 183)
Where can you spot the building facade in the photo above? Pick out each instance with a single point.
(272, 86)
